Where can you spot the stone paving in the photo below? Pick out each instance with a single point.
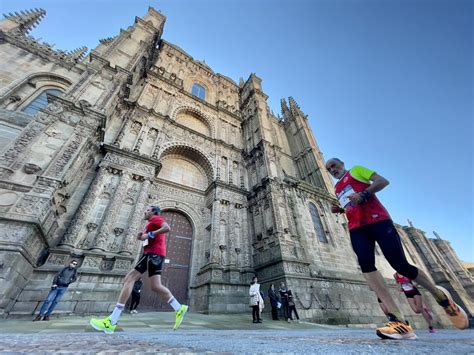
(223, 334)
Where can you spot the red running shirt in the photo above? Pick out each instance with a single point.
(156, 245)
(371, 211)
(405, 283)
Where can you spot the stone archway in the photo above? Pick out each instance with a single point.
(176, 271)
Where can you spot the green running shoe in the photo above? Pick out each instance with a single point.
(103, 325)
(180, 316)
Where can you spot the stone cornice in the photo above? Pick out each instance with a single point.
(42, 50)
(146, 25)
(132, 155)
(217, 183)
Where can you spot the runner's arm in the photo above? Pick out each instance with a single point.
(165, 228)
(378, 184)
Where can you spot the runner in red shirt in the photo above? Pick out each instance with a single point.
(154, 238)
(370, 223)
(414, 299)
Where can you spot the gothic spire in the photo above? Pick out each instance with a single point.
(294, 108)
(26, 20)
(285, 110)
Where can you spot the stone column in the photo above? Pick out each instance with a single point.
(140, 139)
(72, 238)
(130, 241)
(214, 249)
(246, 237)
(106, 236)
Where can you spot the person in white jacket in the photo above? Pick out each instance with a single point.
(255, 300)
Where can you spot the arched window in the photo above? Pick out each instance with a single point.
(317, 224)
(41, 100)
(199, 91)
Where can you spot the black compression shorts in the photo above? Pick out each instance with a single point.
(151, 262)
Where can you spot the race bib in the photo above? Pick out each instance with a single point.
(407, 287)
(343, 196)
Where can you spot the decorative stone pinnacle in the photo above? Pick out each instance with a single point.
(27, 20)
(78, 53)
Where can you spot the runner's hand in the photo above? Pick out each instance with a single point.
(335, 209)
(356, 198)
(142, 236)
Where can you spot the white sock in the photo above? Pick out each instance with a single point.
(175, 304)
(114, 317)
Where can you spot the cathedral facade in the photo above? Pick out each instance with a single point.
(88, 142)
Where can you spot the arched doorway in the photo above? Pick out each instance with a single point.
(175, 273)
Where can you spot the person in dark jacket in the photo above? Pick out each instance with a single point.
(284, 301)
(137, 289)
(61, 282)
(292, 307)
(274, 301)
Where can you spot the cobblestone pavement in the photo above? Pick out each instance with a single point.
(223, 334)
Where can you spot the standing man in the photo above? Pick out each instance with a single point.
(285, 301)
(137, 289)
(152, 260)
(369, 222)
(274, 301)
(61, 282)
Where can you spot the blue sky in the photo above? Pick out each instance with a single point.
(386, 83)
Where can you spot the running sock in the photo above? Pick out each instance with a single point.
(174, 304)
(394, 317)
(114, 317)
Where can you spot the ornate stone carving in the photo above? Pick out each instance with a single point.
(106, 265)
(30, 168)
(91, 227)
(130, 242)
(103, 240)
(123, 265)
(128, 163)
(31, 205)
(27, 137)
(72, 238)
(57, 259)
(56, 170)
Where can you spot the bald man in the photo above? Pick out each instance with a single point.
(370, 223)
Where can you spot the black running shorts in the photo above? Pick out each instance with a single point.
(412, 293)
(151, 262)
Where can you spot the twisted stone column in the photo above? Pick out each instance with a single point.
(73, 237)
(130, 242)
(105, 237)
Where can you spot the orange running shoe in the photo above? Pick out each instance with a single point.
(396, 330)
(456, 314)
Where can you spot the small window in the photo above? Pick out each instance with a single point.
(41, 101)
(199, 91)
(99, 210)
(317, 224)
(124, 216)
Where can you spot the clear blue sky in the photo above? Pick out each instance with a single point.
(386, 84)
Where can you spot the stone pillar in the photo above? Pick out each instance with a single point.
(246, 237)
(106, 236)
(215, 234)
(72, 237)
(124, 128)
(130, 241)
(139, 142)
